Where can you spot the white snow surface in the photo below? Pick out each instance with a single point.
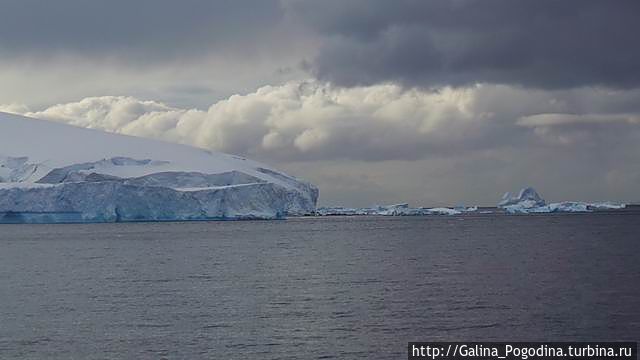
(51, 172)
(529, 201)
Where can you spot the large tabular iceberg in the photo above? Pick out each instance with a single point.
(50, 172)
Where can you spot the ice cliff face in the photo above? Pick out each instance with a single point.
(51, 172)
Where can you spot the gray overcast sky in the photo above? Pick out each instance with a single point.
(430, 102)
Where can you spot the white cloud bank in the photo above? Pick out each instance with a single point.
(311, 120)
(298, 120)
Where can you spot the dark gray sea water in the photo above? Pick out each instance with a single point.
(315, 288)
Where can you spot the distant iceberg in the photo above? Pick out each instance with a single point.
(527, 198)
(50, 172)
(393, 210)
(529, 201)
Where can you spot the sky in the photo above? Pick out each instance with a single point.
(374, 101)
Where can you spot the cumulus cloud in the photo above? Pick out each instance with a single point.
(110, 113)
(14, 108)
(298, 120)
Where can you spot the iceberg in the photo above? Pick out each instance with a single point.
(527, 198)
(607, 205)
(51, 172)
(392, 210)
(529, 201)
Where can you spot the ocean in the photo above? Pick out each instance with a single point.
(315, 288)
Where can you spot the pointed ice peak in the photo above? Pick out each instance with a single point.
(527, 196)
(530, 193)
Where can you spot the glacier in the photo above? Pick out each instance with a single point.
(52, 172)
(529, 201)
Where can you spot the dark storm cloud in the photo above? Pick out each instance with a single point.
(147, 28)
(534, 43)
(431, 43)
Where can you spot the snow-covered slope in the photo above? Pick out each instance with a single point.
(51, 172)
